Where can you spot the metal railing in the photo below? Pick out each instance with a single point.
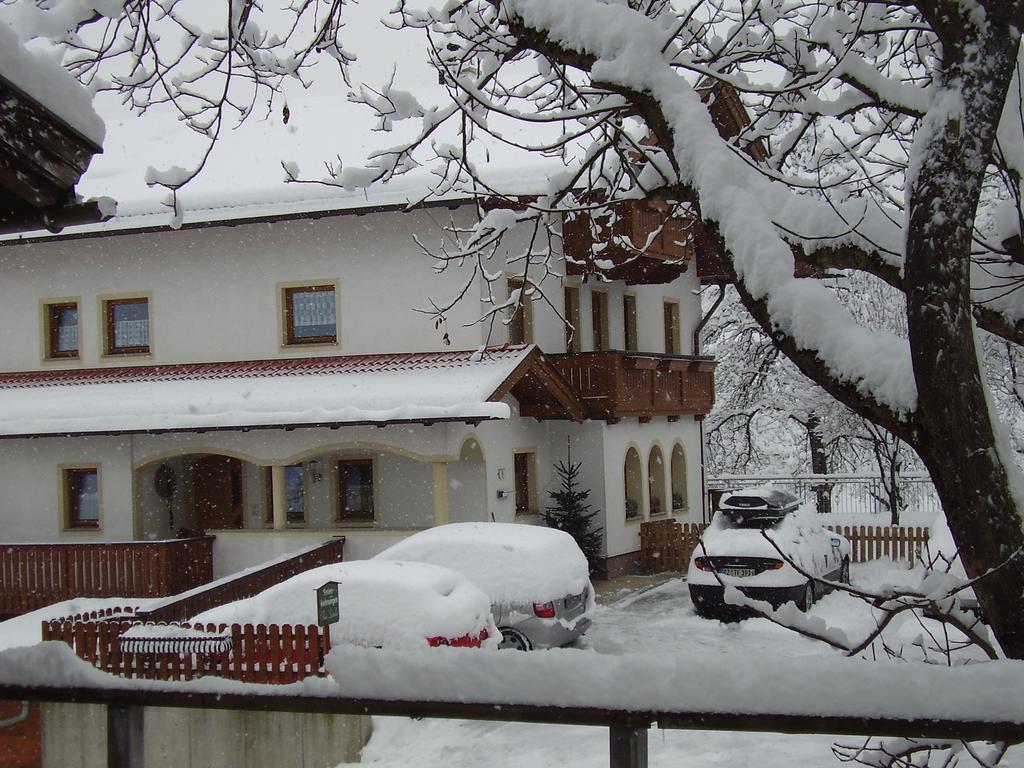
(847, 493)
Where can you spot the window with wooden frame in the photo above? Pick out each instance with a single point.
(126, 323)
(525, 482)
(572, 318)
(355, 491)
(599, 319)
(520, 324)
(61, 321)
(672, 346)
(310, 314)
(295, 495)
(81, 497)
(629, 322)
(632, 473)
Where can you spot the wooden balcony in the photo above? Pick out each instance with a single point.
(36, 575)
(616, 385)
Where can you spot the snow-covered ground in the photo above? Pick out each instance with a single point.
(637, 626)
(656, 619)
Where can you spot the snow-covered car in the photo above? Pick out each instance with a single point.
(380, 604)
(769, 546)
(537, 578)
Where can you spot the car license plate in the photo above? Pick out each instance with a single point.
(738, 572)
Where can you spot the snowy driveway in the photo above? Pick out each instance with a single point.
(658, 619)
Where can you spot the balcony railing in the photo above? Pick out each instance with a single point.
(36, 575)
(615, 385)
(640, 242)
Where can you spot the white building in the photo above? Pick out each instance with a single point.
(266, 377)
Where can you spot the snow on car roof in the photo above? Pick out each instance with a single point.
(388, 604)
(721, 537)
(514, 563)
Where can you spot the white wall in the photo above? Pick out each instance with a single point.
(549, 331)
(214, 292)
(623, 536)
(75, 736)
(31, 479)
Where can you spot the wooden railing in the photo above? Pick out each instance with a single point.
(640, 241)
(246, 584)
(615, 385)
(667, 545)
(36, 575)
(250, 654)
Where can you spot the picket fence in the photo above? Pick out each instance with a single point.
(245, 652)
(667, 545)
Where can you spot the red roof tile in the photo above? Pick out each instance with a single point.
(303, 366)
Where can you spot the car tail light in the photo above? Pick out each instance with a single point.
(704, 564)
(434, 642)
(774, 565)
(544, 610)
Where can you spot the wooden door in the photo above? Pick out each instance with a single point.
(218, 492)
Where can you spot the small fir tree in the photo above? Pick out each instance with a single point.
(570, 512)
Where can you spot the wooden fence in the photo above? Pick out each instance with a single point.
(248, 653)
(36, 575)
(883, 542)
(667, 545)
(246, 584)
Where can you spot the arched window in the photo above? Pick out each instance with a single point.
(656, 482)
(680, 501)
(633, 485)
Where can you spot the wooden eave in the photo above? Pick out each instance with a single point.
(42, 158)
(540, 390)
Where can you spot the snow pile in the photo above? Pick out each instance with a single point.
(25, 630)
(387, 604)
(697, 682)
(43, 78)
(514, 564)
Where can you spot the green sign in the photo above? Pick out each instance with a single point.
(327, 603)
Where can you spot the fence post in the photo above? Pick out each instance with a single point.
(627, 747)
(125, 748)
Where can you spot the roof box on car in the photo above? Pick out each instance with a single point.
(757, 505)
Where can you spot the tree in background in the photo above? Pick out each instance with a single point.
(770, 419)
(571, 513)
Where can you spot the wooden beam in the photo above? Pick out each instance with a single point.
(627, 747)
(148, 693)
(440, 484)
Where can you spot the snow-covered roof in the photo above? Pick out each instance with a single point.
(244, 177)
(42, 77)
(322, 391)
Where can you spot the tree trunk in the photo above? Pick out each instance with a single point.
(955, 436)
(819, 464)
